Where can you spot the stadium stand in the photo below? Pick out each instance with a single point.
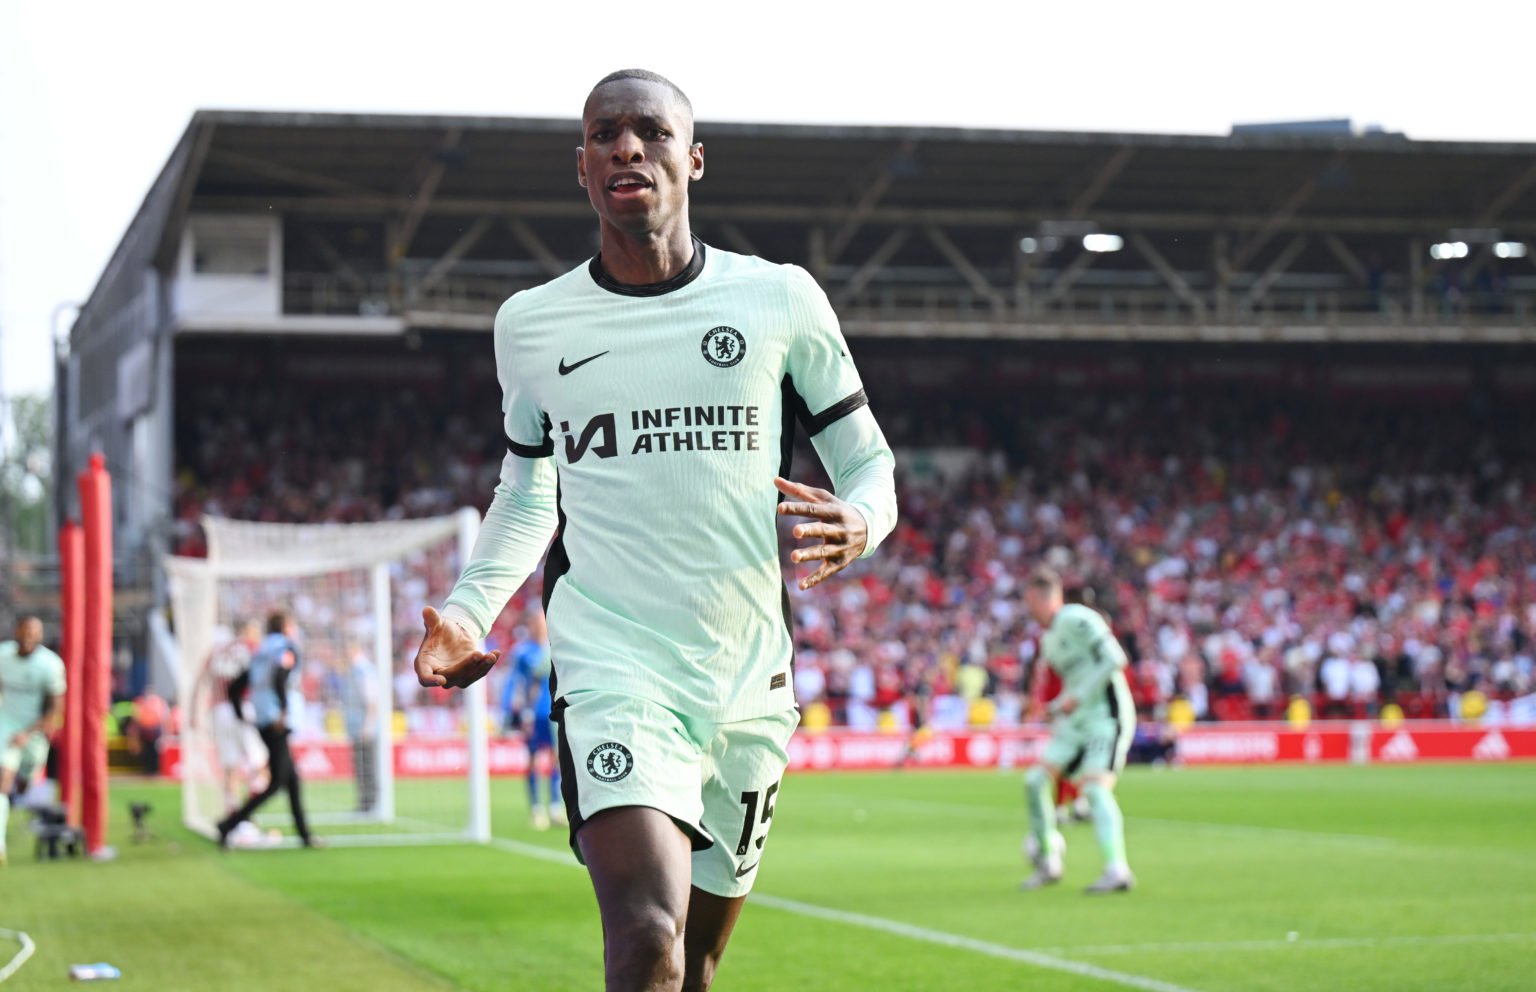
(1259, 524)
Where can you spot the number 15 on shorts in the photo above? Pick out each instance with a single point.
(751, 820)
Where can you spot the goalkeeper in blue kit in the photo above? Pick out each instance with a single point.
(1093, 722)
(649, 400)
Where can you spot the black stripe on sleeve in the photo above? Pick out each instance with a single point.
(837, 411)
(543, 449)
(530, 450)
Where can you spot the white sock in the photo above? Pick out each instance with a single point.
(5, 818)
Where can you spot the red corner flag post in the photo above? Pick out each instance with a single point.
(96, 674)
(72, 601)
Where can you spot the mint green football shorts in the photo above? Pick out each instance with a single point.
(31, 755)
(1092, 746)
(719, 782)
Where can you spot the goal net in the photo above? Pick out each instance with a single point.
(382, 760)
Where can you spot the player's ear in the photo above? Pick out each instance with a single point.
(581, 167)
(696, 160)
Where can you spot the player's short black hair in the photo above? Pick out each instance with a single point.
(1044, 577)
(277, 621)
(649, 77)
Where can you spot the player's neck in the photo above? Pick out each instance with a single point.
(643, 260)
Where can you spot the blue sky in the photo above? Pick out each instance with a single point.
(94, 95)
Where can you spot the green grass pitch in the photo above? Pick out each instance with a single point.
(1390, 878)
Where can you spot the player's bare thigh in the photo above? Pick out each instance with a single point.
(640, 863)
(711, 920)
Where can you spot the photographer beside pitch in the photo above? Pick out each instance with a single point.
(649, 399)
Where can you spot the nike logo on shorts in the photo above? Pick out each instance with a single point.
(568, 369)
(749, 869)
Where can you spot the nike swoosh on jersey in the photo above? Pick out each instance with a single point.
(744, 872)
(568, 369)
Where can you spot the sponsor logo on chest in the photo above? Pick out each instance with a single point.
(661, 430)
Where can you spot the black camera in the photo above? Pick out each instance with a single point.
(140, 814)
(55, 837)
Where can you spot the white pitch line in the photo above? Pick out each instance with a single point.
(1300, 944)
(551, 855)
(899, 929)
(1037, 958)
(27, 949)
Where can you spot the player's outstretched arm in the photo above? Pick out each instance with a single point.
(522, 516)
(837, 529)
(449, 657)
(513, 537)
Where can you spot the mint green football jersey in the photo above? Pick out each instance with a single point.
(654, 419)
(25, 685)
(1083, 650)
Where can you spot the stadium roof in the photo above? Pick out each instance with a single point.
(347, 162)
(851, 186)
(337, 162)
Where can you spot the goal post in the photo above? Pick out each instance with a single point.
(377, 768)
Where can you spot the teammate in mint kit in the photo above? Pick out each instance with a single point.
(31, 703)
(1093, 721)
(650, 399)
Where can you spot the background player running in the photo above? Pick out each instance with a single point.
(236, 747)
(526, 701)
(660, 384)
(1091, 730)
(31, 702)
(273, 663)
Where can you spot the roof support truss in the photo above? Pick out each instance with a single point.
(1108, 173)
(737, 238)
(1511, 192)
(339, 266)
(535, 246)
(1276, 269)
(872, 266)
(432, 174)
(460, 247)
(1176, 282)
(1275, 223)
(868, 197)
(968, 271)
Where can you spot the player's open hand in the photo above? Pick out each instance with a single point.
(448, 657)
(836, 525)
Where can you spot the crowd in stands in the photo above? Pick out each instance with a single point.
(1250, 546)
(291, 452)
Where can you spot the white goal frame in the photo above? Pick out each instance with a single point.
(251, 550)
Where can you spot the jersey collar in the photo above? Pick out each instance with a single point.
(689, 274)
